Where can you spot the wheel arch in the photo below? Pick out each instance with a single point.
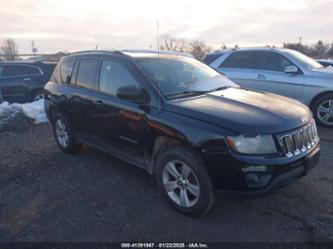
(161, 144)
(315, 98)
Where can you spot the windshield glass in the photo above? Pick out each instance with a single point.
(307, 61)
(179, 76)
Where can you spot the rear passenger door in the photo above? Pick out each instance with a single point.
(270, 75)
(18, 81)
(82, 99)
(239, 67)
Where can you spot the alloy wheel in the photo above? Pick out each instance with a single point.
(325, 112)
(39, 97)
(61, 133)
(181, 183)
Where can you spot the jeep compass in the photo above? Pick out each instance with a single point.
(182, 121)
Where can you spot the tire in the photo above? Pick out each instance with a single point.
(322, 108)
(182, 190)
(38, 95)
(63, 135)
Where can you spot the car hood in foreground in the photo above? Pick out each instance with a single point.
(245, 112)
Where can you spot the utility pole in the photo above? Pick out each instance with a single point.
(34, 49)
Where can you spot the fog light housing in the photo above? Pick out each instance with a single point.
(257, 179)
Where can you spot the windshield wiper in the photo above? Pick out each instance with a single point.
(185, 93)
(219, 88)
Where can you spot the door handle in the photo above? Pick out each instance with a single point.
(26, 79)
(261, 76)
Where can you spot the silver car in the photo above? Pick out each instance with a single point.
(282, 71)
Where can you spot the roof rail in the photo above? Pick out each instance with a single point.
(92, 51)
(156, 51)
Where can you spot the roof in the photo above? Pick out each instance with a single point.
(248, 49)
(134, 52)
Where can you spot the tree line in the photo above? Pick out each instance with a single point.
(9, 48)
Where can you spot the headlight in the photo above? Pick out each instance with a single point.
(261, 144)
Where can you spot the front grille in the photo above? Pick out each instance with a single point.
(299, 141)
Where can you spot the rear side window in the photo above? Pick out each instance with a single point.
(211, 57)
(113, 76)
(86, 73)
(19, 70)
(272, 61)
(66, 70)
(241, 59)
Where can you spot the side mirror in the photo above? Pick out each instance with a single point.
(132, 93)
(291, 69)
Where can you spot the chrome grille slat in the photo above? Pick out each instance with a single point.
(299, 141)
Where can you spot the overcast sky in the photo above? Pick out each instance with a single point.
(67, 25)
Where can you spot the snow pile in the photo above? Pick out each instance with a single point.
(35, 110)
(21, 115)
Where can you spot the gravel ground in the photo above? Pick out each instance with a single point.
(46, 195)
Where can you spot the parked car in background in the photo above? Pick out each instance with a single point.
(282, 71)
(325, 63)
(22, 82)
(182, 121)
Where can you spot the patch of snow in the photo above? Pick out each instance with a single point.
(34, 110)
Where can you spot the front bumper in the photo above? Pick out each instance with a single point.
(241, 179)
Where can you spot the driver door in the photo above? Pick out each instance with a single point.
(117, 123)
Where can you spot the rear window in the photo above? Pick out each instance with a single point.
(241, 59)
(211, 57)
(19, 70)
(66, 70)
(86, 73)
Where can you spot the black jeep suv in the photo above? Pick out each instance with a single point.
(184, 122)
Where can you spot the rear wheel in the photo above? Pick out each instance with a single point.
(38, 95)
(184, 181)
(323, 110)
(63, 134)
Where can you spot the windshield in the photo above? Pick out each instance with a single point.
(179, 76)
(307, 61)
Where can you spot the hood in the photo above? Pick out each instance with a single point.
(326, 72)
(243, 111)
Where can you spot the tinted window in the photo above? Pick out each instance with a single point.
(86, 73)
(272, 61)
(241, 59)
(114, 75)
(211, 57)
(19, 70)
(1, 70)
(66, 71)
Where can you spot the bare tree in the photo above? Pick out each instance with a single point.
(9, 50)
(195, 47)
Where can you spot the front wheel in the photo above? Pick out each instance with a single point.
(184, 181)
(323, 110)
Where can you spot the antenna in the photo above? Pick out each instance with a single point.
(157, 63)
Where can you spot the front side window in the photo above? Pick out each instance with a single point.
(86, 73)
(240, 59)
(113, 76)
(272, 61)
(66, 69)
(180, 76)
